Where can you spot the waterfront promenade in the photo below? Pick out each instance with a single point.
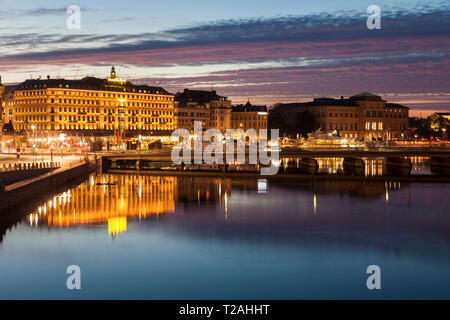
(27, 189)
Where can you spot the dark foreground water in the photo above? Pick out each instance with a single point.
(156, 237)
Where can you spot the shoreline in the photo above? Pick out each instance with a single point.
(29, 189)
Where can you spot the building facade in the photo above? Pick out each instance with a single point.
(211, 109)
(249, 116)
(364, 116)
(8, 104)
(92, 106)
(2, 104)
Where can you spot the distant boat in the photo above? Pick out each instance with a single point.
(321, 140)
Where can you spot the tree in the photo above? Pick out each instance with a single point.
(276, 121)
(8, 128)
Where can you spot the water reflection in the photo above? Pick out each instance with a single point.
(131, 196)
(264, 238)
(134, 197)
(372, 166)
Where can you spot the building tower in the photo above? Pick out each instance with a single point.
(113, 74)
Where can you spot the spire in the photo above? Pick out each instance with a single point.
(113, 73)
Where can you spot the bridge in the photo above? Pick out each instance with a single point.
(299, 153)
(410, 152)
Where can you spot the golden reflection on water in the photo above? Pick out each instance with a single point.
(330, 165)
(117, 225)
(131, 197)
(326, 164)
(373, 167)
(119, 198)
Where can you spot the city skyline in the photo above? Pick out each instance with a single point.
(294, 52)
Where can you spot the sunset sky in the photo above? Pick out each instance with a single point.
(263, 50)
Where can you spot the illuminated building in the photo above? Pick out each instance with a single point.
(8, 138)
(7, 103)
(206, 106)
(435, 116)
(93, 106)
(364, 116)
(249, 116)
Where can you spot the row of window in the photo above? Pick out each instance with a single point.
(95, 102)
(341, 126)
(93, 110)
(379, 126)
(381, 114)
(192, 114)
(374, 126)
(40, 126)
(369, 114)
(71, 118)
(93, 94)
(248, 117)
(249, 124)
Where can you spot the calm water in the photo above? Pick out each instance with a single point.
(167, 237)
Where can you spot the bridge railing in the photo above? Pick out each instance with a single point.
(9, 167)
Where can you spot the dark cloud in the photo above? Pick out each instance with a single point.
(344, 27)
(410, 54)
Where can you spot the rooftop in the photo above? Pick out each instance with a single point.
(342, 102)
(198, 96)
(321, 102)
(91, 83)
(395, 105)
(10, 88)
(365, 96)
(248, 107)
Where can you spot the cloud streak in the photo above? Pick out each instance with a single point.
(309, 55)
